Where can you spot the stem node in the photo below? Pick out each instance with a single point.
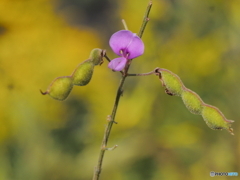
(112, 148)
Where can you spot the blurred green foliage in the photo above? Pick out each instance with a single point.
(158, 138)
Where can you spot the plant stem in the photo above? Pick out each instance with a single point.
(108, 130)
(111, 119)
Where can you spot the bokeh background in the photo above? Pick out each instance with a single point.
(44, 139)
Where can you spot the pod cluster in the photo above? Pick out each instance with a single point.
(213, 117)
(61, 87)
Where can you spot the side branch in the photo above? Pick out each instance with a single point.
(155, 71)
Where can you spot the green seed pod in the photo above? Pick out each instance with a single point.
(60, 88)
(192, 101)
(83, 73)
(215, 119)
(171, 81)
(96, 56)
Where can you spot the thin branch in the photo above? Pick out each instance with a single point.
(145, 74)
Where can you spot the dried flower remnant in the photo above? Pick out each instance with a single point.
(127, 45)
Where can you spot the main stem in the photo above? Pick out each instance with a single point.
(111, 119)
(108, 131)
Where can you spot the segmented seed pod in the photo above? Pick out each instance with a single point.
(83, 73)
(60, 88)
(213, 117)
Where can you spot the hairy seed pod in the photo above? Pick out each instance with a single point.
(96, 56)
(83, 73)
(172, 82)
(213, 117)
(192, 101)
(60, 88)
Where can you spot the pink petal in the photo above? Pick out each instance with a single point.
(127, 42)
(135, 48)
(117, 64)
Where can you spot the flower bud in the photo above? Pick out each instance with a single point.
(96, 56)
(60, 88)
(83, 73)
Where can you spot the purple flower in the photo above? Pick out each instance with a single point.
(127, 45)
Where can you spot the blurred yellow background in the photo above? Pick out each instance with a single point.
(44, 139)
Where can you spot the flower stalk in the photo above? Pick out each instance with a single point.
(111, 118)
